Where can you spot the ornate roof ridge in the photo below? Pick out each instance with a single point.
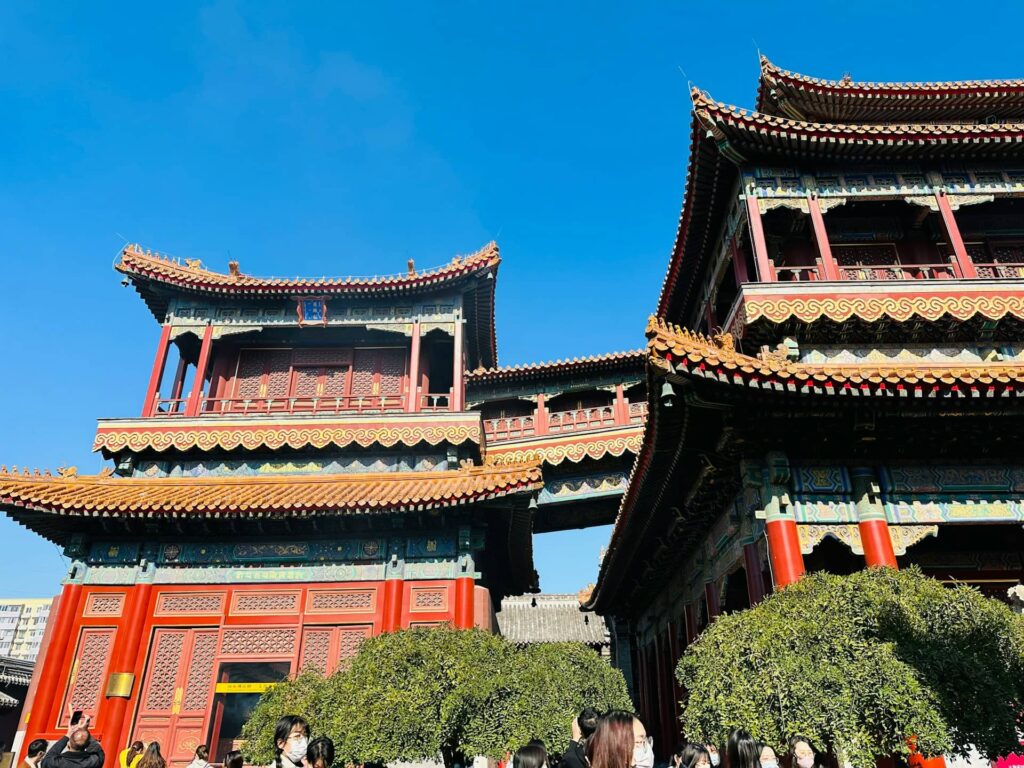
(770, 70)
(550, 365)
(103, 494)
(707, 109)
(669, 342)
(190, 273)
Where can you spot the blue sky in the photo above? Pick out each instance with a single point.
(345, 138)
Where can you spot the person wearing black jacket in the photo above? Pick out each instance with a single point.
(583, 727)
(78, 749)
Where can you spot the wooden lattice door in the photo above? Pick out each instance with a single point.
(378, 372)
(175, 702)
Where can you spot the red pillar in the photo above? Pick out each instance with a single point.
(459, 393)
(621, 406)
(765, 269)
(784, 551)
(960, 255)
(412, 404)
(874, 535)
(739, 264)
(711, 596)
(195, 398)
(126, 654)
(828, 262)
(393, 591)
(690, 615)
(149, 406)
(61, 644)
(540, 419)
(179, 379)
(464, 603)
(752, 567)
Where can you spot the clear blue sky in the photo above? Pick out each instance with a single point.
(345, 138)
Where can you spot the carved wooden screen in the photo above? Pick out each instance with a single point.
(327, 648)
(378, 371)
(177, 691)
(263, 373)
(88, 673)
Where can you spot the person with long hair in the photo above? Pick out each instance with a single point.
(767, 756)
(742, 750)
(202, 757)
(620, 741)
(320, 753)
(291, 740)
(130, 756)
(692, 756)
(803, 753)
(531, 756)
(152, 758)
(234, 759)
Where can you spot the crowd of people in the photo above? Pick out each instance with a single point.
(612, 740)
(619, 740)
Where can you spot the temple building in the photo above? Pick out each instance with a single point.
(835, 374)
(315, 462)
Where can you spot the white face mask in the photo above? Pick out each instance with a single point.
(643, 757)
(805, 762)
(715, 760)
(296, 750)
(769, 764)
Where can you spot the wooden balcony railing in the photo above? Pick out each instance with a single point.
(436, 402)
(561, 422)
(584, 418)
(510, 427)
(898, 272)
(264, 405)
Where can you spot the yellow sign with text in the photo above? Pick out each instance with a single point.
(243, 687)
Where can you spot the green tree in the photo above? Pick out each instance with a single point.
(420, 693)
(860, 663)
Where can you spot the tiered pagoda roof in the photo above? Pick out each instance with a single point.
(723, 136)
(157, 278)
(811, 99)
(50, 505)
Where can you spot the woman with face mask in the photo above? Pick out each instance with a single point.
(713, 753)
(692, 756)
(620, 741)
(742, 750)
(802, 753)
(291, 739)
(768, 757)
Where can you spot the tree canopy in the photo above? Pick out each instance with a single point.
(860, 664)
(421, 693)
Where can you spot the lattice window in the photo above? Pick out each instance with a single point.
(200, 673)
(89, 672)
(258, 642)
(341, 601)
(163, 670)
(171, 603)
(104, 604)
(350, 638)
(250, 373)
(320, 356)
(305, 382)
(334, 381)
(392, 368)
(316, 649)
(265, 602)
(429, 600)
(278, 373)
(363, 371)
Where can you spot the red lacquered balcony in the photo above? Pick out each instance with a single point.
(543, 422)
(235, 406)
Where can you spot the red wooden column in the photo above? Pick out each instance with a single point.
(784, 551)
(61, 644)
(752, 567)
(412, 404)
(690, 615)
(179, 379)
(739, 264)
(394, 589)
(871, 520)
(149, 406)
(128, 641)
(960, 255)
(195, 398)
(711, 596)
(540, 418)
(464, 602)
(459, 388)
(765, 269)
(828, 262)
(621, 406)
